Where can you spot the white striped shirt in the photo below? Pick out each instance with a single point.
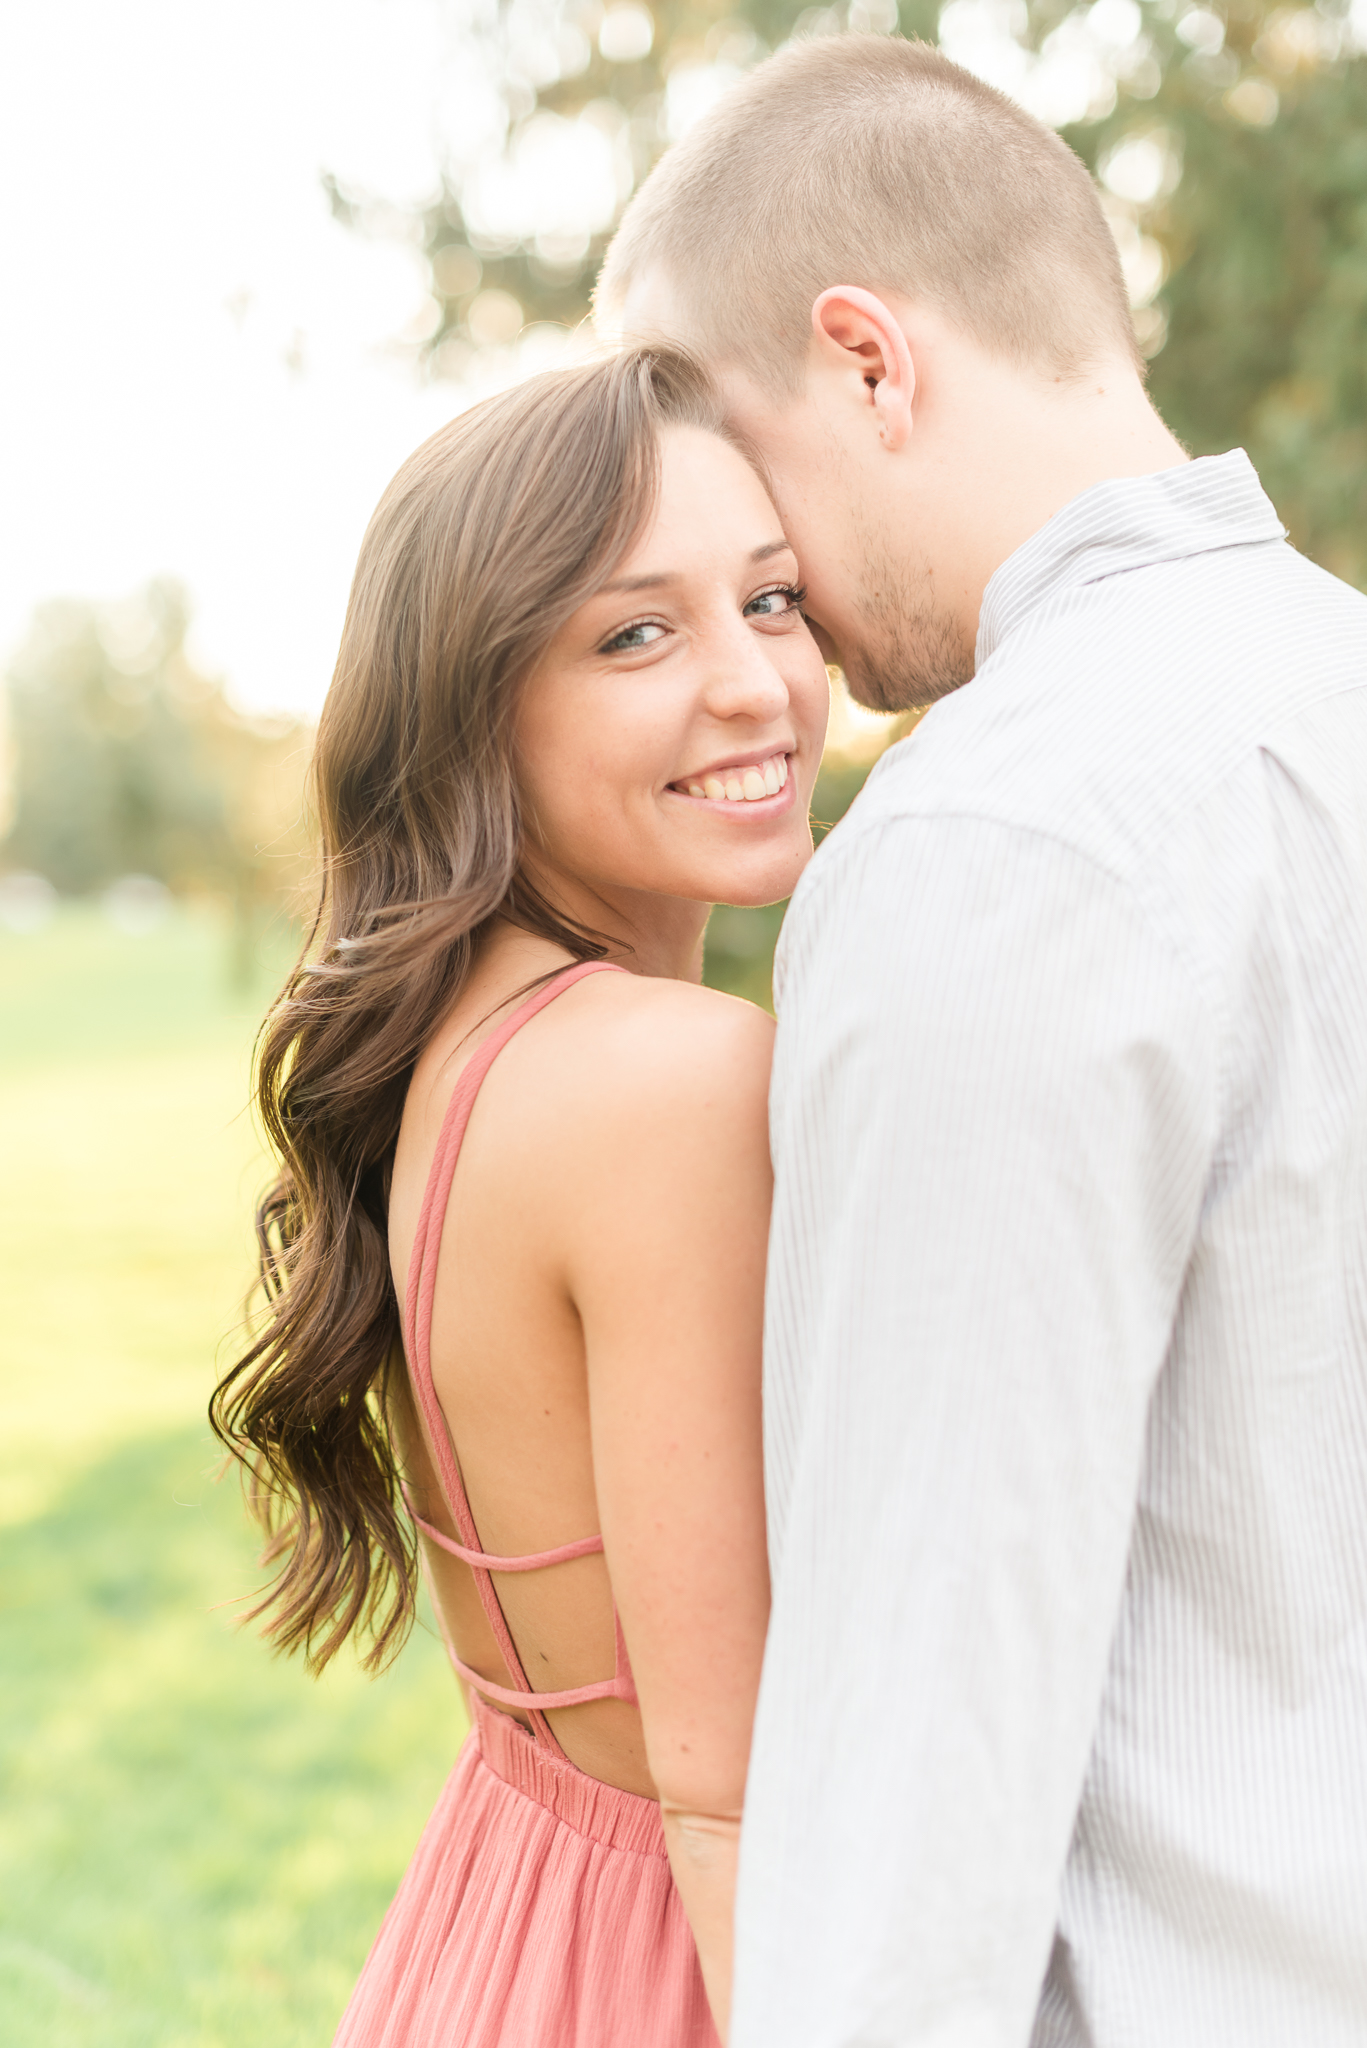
(1063, 1730)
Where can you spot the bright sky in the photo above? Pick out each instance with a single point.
(167, 249)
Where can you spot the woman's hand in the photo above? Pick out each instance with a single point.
(703, 1848)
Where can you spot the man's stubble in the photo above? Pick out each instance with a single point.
(910, 649)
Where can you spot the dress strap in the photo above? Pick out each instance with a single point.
(534, 1561)
(417, 1333)
(621, 1685)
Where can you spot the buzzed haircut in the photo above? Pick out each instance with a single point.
(866, 160)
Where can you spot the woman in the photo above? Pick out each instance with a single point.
(516, 1251)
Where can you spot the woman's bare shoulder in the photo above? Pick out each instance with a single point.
(621, 1082)
(654, 1134)
(659, 1045)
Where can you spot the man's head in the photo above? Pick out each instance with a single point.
(911, 297)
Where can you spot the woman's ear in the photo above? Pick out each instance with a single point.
(856, 328)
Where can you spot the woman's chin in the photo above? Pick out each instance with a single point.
(755, 892)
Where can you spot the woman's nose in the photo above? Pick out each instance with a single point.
(742, 680)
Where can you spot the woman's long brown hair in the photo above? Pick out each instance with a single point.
(489, 537)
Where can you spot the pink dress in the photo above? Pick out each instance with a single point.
(539, 1910)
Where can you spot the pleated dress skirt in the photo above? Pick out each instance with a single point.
(538, 1912)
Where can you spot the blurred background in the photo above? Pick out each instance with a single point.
(252, 256)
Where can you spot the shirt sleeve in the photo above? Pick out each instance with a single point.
(992, 1125)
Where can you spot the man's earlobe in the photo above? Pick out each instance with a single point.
(894, 416)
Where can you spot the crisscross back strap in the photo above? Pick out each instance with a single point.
(485, 1560)
(417, 1333)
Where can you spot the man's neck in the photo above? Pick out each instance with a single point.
(1042, 446)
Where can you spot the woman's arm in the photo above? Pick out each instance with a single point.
(665, 1265)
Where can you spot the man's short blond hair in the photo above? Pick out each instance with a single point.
(866, 160)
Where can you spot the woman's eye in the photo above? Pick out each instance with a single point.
(632, 637)
(772, 604)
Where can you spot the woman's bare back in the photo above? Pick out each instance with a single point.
(571, 1197)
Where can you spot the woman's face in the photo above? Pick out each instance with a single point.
(668, 741)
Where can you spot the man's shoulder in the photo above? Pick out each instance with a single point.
(1106, 722)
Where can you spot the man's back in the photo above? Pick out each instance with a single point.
(1110, 903)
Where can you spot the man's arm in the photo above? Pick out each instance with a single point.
(992, 1123)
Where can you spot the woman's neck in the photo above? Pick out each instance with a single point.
(658, 936)
(510, 953)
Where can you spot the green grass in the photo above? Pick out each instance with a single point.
(196, 1841)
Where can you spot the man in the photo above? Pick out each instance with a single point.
(1063, 1732)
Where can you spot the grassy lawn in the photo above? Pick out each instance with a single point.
(196, 1842)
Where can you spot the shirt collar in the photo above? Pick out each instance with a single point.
(1129, 523)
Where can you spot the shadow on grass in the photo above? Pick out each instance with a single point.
(197, 1843)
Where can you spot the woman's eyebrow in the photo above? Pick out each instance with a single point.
(620, 583)
(639, 582)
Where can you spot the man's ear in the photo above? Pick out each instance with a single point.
(856, 327)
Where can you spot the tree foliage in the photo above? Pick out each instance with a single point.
(555, 60)
(127, 760)
(1261, 325)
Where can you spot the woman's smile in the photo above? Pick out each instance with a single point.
(634, 731)
(755, 784)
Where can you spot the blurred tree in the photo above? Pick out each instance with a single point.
(1243, 156)
(626, 77)
(127, 760)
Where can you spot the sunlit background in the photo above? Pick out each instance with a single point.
(253, 255)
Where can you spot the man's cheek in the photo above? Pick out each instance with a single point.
(825, 643)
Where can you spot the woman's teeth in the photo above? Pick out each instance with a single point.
(743, 785)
